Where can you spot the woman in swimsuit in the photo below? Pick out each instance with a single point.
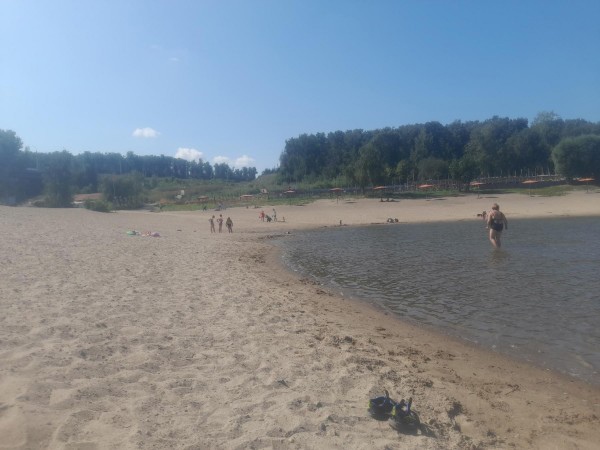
(496, 222)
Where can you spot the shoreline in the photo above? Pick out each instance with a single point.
(459, 358)
(200, 340)
(542, 363)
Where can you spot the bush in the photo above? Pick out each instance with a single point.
(98, 205)
(124, 191)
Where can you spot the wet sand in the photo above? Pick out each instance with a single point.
(195, 340)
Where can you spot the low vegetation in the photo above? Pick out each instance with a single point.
(399, 161)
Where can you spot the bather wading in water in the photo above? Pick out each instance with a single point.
(496, 222)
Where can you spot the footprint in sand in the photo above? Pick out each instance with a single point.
(12, 421)
(12, 427)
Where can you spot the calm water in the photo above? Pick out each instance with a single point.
(537, 299)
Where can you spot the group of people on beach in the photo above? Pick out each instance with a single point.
(228, 224)
(495, 221)
(262, 216)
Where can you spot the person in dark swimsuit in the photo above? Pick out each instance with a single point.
(496, 223)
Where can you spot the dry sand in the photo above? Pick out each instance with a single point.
(195, 340)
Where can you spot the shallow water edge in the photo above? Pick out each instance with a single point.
(533, 301)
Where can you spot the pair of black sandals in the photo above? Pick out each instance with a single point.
(400, 413)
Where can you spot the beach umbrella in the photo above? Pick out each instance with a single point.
(425, 187)
(380, 189)
(337, 191)
(477, 184)
(529, 183)
(586, 181)
(289, 194)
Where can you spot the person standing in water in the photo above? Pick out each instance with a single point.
(496, 223)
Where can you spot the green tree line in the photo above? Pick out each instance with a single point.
(461, 151)
(25, 174)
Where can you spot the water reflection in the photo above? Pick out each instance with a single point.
(535, 297)
(499, 257)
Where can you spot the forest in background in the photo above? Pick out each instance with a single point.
(25, 174)
(460, 151)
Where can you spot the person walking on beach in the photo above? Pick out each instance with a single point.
(496, 222)
(274, 215)
(229, 224)
(212, 224)
(220, 222)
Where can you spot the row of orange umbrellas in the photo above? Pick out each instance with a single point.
(421, 186)
(585, 180)
(424, 186)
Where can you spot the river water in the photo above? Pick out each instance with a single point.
(537, 299)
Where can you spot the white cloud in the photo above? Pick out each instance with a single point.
(189, 154)
(145, 133)
(238, 163)
(222, 160)
(244, 161)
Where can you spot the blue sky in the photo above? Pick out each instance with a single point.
(231, 80)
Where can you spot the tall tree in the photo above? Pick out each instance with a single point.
(10, 164)
(370, 168)
(487, 144)
(405, 170)
(18, 177)
(464, 169)
(433, 169)
(578, 156)
(58, 178)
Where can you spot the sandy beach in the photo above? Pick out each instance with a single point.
(199, 340)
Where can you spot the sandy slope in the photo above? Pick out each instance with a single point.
(193, 341)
